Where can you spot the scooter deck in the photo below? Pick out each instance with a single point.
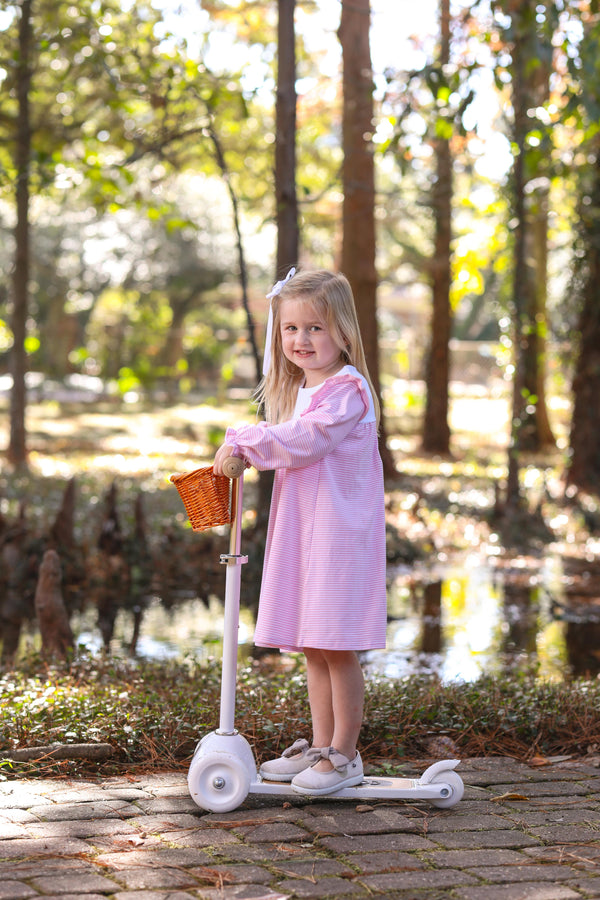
(369, 789)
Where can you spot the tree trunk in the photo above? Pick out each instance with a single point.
(534, 92)
(521, 282)
(535, 375)
(286, 213)
(57, 637)
(222, 163)
(584, 469)
(17, 448)
(285, 145)
(358, 174)
(172, 350)
(530, 89)
(436, 430)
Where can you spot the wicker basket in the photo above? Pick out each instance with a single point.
(205, 497)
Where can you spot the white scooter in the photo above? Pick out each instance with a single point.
(223, 770)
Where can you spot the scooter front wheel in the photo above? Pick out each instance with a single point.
(454, 782)
(218, 782)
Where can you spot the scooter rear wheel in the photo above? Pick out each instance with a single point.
(457, 789)
(218, 782)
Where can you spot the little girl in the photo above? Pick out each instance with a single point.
(323, 585)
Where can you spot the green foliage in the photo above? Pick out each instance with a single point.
(153, 713)
(77, 82)
(111, 121)
(215, 435)
(124, 117)
(107, 702)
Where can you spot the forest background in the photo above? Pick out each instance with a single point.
(162, 164)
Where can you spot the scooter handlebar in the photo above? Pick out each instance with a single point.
(233, 467)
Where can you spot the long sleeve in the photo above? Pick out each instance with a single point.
(334, 411)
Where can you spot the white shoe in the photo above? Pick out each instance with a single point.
(294, 760)
(345, 773)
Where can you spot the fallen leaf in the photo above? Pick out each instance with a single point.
(538, 761)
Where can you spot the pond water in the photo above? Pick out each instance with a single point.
(468, 622)
(459, 622)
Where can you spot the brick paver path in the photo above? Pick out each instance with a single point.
(520, 833)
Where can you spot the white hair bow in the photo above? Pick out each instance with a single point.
(275, 290)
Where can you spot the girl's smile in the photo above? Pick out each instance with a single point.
(307, 342)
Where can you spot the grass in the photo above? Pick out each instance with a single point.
(152, 714)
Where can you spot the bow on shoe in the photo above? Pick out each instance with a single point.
(337, 759)
(298, 746)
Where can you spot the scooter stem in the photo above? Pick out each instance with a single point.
(234, 562)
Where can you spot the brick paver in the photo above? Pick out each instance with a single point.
(520, 833)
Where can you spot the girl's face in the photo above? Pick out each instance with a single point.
(307, 342)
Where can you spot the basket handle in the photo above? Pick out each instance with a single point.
(233, 466)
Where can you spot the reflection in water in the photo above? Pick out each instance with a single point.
(461, 623)
(578, 608)
(583, 647)
(189, 629)
(469, 622)
(521, 605)
(431, 621)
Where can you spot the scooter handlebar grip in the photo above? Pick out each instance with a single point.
(233, 467)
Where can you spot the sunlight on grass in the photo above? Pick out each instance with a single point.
(481, 416)
(130, 441)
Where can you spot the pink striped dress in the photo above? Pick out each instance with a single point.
(323, 583)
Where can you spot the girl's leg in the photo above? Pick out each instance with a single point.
(348, 691)
(319, 696)
(336, 695)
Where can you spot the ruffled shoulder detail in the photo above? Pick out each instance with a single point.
(334, 385)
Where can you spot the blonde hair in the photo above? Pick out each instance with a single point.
(331, 296)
